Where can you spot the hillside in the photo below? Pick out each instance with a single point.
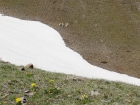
(38, 87)
(105, 33)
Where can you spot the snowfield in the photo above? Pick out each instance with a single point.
(23, 42)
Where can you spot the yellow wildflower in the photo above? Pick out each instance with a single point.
(83, 96)
(51, 81)
(18, 100)
(33, 85)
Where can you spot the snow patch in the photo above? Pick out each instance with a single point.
(23, 42)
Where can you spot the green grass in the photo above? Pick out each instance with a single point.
(60, 89)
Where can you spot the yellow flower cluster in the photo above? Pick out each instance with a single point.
(18, 100)
(51, 81)
(33, 85)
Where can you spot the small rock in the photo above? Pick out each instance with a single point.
(31, 93)
(127, 51)
(66, 24)
(8, 62)
(23, 99)
(22, 69)
(76, 78)
(30, 66)
(104, 62)
(94, 93)
(27, 91)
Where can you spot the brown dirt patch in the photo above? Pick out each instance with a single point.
(106, 33)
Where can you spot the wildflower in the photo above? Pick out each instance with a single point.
(83, 96)
(18, 100)
(33, 85)
(51, 81)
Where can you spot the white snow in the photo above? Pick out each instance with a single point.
(23, 42)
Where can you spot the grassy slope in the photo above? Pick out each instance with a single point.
(100, 30)
(66, 89)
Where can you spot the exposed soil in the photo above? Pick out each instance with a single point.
(105, 32)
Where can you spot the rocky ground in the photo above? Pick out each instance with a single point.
(106, 33)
